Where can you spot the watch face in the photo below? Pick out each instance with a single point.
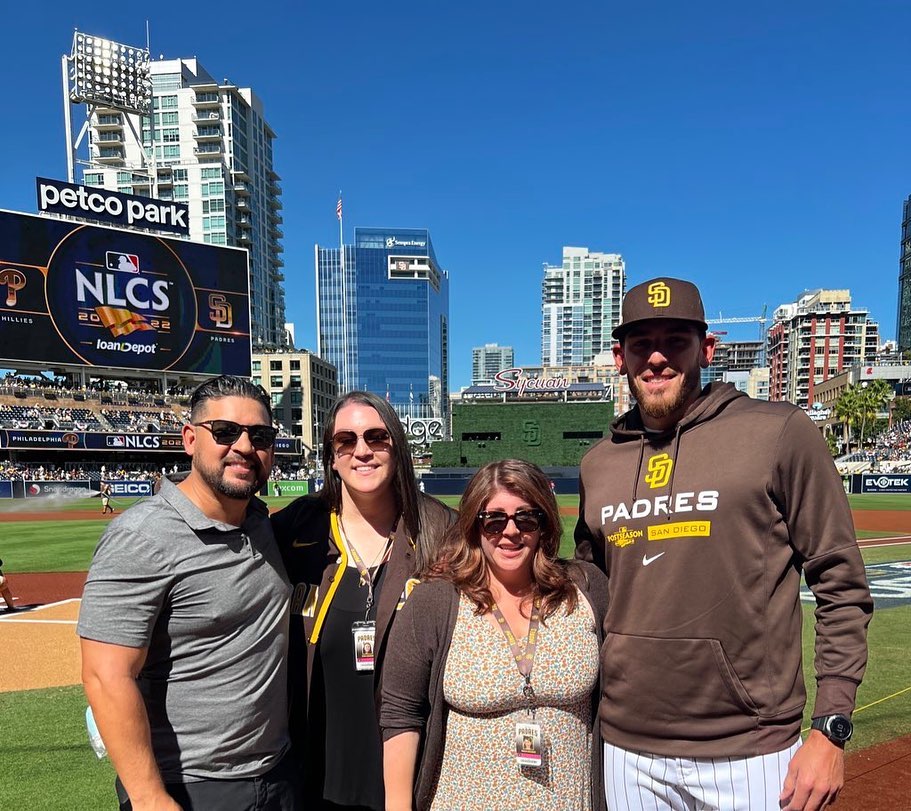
(840, 728)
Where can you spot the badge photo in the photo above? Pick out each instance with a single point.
(529, 744)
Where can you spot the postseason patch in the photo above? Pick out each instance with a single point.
(890, 585)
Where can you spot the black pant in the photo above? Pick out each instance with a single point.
(276, 790)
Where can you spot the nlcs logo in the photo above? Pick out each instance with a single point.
(659, 471)
(659, 294)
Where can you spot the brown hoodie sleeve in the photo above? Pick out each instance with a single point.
(587, 546)
(818, 516)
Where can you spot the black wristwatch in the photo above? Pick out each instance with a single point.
(837, 728)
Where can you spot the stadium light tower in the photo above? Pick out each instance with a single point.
(103, 74)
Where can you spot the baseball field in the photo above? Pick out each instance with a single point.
(47, 763)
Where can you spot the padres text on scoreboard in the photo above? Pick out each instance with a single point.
(99, 296)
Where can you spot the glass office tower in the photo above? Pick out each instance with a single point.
(383, 318)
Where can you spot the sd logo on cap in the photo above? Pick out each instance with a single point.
(661, 298)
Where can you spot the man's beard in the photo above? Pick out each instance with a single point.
(658, 407)
(215, 478)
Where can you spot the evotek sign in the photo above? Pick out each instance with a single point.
(57, 197)
(881, 483)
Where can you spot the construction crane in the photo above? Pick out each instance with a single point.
(750, 319)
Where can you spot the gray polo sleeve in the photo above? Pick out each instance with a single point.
(126, 587)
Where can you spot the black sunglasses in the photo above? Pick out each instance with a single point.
(494, 522)
(225, 432)
(377, 439)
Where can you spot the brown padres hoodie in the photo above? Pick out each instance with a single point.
(703, 532)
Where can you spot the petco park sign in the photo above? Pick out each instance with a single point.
(57, 197)
(514, 380)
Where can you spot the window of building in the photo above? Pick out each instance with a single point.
(208, 172)
(276, 399)
(295, 365)
(275, 365)
(164, 102)
(276, 382)
(256, 365)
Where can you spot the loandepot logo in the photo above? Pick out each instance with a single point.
(659, 471)
(659, 294)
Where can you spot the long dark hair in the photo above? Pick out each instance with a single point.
(462, 560)
(403, 481)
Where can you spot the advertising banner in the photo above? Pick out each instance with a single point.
(41, 489)
(885, 483)
(6, 489)
(291, 487)
(131, 489)
(22, 439)
(97, 296)
(114, 208)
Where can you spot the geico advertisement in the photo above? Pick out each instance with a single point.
(130, 488)
(99, 296)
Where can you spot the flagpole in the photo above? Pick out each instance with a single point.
(346, 382)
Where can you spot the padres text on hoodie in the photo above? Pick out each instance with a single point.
(704, 531)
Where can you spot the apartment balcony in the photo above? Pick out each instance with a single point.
(206, 116)
(210, 149)
(241, 175)
(242, 189)
(276, 233)
(244, 221)
(109, 155)
(273, 175)
(106, 121)
(244, 239)
(276, 260)
(206, 100)
(275, 188)
(278, 277)
(276, 219)
(208, 132)
(274, 203)
(108, 137)
(242, 205)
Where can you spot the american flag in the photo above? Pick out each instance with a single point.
(338, 208)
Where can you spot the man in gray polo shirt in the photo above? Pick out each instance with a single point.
(184, 625)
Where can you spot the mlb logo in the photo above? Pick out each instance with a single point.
(116, 442)
(126, 262)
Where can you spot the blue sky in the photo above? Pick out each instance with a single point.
(757, 149)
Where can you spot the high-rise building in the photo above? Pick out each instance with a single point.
(383, 318)
(815, 338)
(489, 359)
(206, 144)
(732, 356)
(302, 388)
(580, 306)
(903, 322)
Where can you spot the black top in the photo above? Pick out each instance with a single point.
(347, 732)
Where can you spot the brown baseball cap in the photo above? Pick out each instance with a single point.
(661, 298)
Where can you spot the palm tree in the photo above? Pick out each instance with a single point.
(873, 397)
(847, 409)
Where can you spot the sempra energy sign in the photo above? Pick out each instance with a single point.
(98, 296)
(57, 197)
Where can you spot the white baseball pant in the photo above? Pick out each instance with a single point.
(636, 781)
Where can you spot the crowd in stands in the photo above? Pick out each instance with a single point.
(891, 452)
(108, 406)
(54, 473)
(893, 445)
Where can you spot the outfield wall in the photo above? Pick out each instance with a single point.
(551, 433)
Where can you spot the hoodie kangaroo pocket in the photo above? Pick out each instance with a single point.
(683, 689)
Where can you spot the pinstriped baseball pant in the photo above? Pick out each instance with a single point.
(635, 781)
